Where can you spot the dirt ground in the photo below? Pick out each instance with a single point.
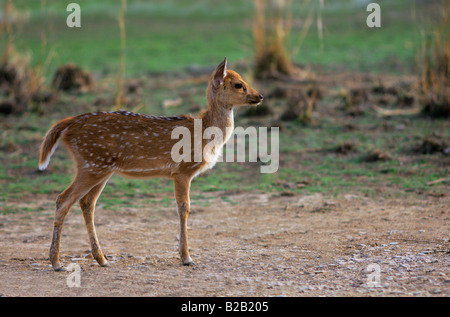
(246, 245)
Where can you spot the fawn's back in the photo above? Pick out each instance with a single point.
(127, 143)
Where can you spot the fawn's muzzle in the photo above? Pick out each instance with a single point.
(256, 99)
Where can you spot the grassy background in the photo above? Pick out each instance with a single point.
(171, 36)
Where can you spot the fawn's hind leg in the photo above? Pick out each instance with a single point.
(87, 204)
(79, 187)
(64, 201)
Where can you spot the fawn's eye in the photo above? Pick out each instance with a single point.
(238, 86)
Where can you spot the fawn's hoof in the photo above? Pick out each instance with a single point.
(189, 262)
(58, 268)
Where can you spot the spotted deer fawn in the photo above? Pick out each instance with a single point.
(138, 146)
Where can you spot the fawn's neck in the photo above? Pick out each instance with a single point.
(220, 116)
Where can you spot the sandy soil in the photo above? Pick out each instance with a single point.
(246, 245)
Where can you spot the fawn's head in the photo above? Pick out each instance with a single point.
(228, 89)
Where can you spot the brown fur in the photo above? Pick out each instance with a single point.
(51, 138)
(138, 146)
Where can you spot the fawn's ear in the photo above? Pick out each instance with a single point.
(220, 73)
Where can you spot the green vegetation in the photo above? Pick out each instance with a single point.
(170, 36)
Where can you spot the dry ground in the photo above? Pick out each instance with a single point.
(246, 245)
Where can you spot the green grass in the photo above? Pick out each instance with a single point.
(169, 35)
(320, 169)
(172, 35)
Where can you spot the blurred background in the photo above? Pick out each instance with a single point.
(174, 34)
(359, 108)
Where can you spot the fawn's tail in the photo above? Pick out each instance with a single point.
(49, 144)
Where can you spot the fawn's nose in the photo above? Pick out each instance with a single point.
(261, 97)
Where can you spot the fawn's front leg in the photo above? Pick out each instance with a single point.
(182, 184)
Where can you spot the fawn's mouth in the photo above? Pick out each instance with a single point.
(256, 101)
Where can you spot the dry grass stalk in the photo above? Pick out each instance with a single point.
(396, 112)
(320, 25)
(6, 30)
(270, 30)
(306, 116)
(19, 81)
(434, 73)
(120, 93)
